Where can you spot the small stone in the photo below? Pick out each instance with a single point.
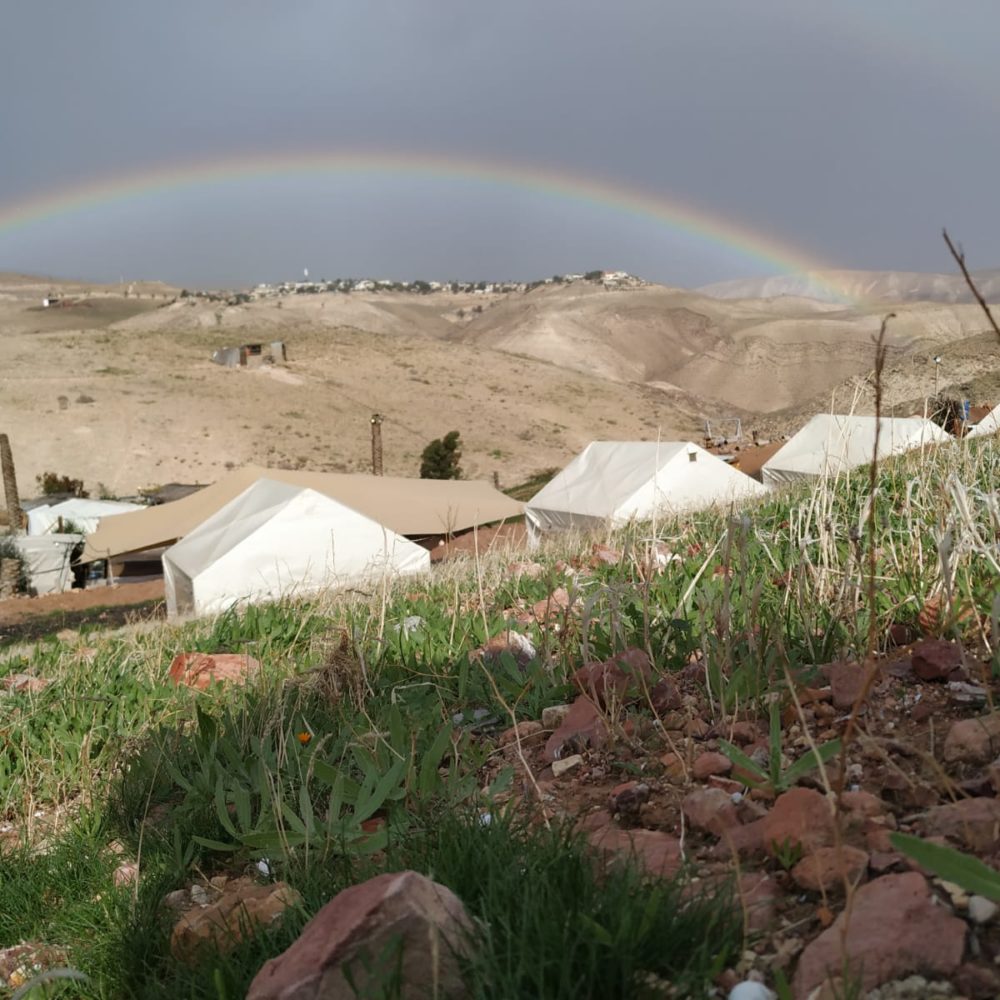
(560, 767)
(698, 728)
(711, 809)
(847, 681)
(244, 906)
(582, 727)
(615, 680)
(199, 895)
(749, 989)
(177, 900)
(973, 741)
(935, 659)
(707, 764)
(673, 765)
(827, 868)
(553, 716)
(982, 910)
(199, 670)
(628, 798)
(125, 874)
(520, 647)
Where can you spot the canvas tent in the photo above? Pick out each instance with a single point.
(990, 424)
(413, 507)
(276, 540)
(47, 561)
(833, 443)
(618, 481)
(83, 513)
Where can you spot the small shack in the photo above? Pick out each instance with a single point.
(251, 355)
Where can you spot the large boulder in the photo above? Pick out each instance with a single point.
(894, 929)
(396, 928)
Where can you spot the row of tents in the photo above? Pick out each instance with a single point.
(258, 534)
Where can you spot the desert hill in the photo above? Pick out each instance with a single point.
(115, 384)
(861, 286)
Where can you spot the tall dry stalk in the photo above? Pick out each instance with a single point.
(14, 513)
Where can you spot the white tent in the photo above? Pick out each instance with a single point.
(618, 481)
(276, 540)
(833, 443)
(990, 424)
(85, 514)
(47, 561)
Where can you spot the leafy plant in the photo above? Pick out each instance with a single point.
(948, 863)
(774, 776)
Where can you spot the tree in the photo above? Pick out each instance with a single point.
(440, 458)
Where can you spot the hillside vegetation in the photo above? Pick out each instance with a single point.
(384, 707)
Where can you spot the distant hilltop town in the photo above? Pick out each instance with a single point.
(611, 280)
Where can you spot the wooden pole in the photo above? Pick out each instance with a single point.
(14, 513)
(376, 444)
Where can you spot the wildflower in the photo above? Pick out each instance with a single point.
(304, 738)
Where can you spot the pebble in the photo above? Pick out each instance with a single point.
(982, 910)
(749, 990)
(560, 767)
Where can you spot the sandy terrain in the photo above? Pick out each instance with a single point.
(118, 389)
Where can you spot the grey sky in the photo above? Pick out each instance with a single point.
(852, 130)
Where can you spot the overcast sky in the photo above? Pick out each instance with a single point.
(849, 131)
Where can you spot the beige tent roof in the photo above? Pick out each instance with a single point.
(413, 507)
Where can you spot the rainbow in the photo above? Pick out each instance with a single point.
(764, 251)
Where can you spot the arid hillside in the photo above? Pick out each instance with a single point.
(116, 384)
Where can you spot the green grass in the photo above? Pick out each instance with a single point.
(549, 923)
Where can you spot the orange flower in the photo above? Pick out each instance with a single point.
(304, 738)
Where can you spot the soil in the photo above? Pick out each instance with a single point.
(23, 619)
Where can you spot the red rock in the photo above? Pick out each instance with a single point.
(664, 696)
(707, 764)
(935, 659)
(973, 823)
(674, 766)
(628, 798)
(604, 554)
(199, 670)
(698, 728)
(614, 680)
(977, 982)
(863, 804)
(758, 895)
(847, 681)
(583, 727)
(728, 785)
(520, 647)
(24, 682)
(826, 868)
(900, 634)
(242, 907)
(800, 817)
(973, 741)
(526, 732)
(742, 733)
(556, 603)
(894, 930)
(710, 809)
(358, 933)
(531, 570)
(656, 852)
